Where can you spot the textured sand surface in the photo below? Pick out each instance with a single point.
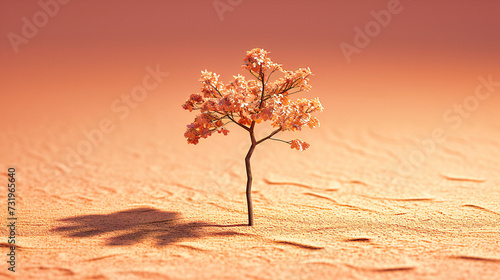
(145, 205)
(397, 183)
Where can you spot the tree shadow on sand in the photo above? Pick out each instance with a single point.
(136, 225)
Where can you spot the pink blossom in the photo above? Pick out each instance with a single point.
(299, 145)
(247, 102)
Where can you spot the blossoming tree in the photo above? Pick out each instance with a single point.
(250, 102)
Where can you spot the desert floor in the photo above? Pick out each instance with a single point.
(143, 204)
(402, 179)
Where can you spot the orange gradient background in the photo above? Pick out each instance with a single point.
(91, 52)
(62, 83)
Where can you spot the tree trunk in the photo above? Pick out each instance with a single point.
(249, 177)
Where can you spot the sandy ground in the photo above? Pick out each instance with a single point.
(396, 185)
(143, 204)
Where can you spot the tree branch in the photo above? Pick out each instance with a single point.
(280, 140)
(215, 90)
(253, 74)
(269, 136)
(270, 96)
(263, 88)
(243, 126)
(268, 77)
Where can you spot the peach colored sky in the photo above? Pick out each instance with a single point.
(87, 55)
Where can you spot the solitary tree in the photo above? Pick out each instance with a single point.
(250, 102)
